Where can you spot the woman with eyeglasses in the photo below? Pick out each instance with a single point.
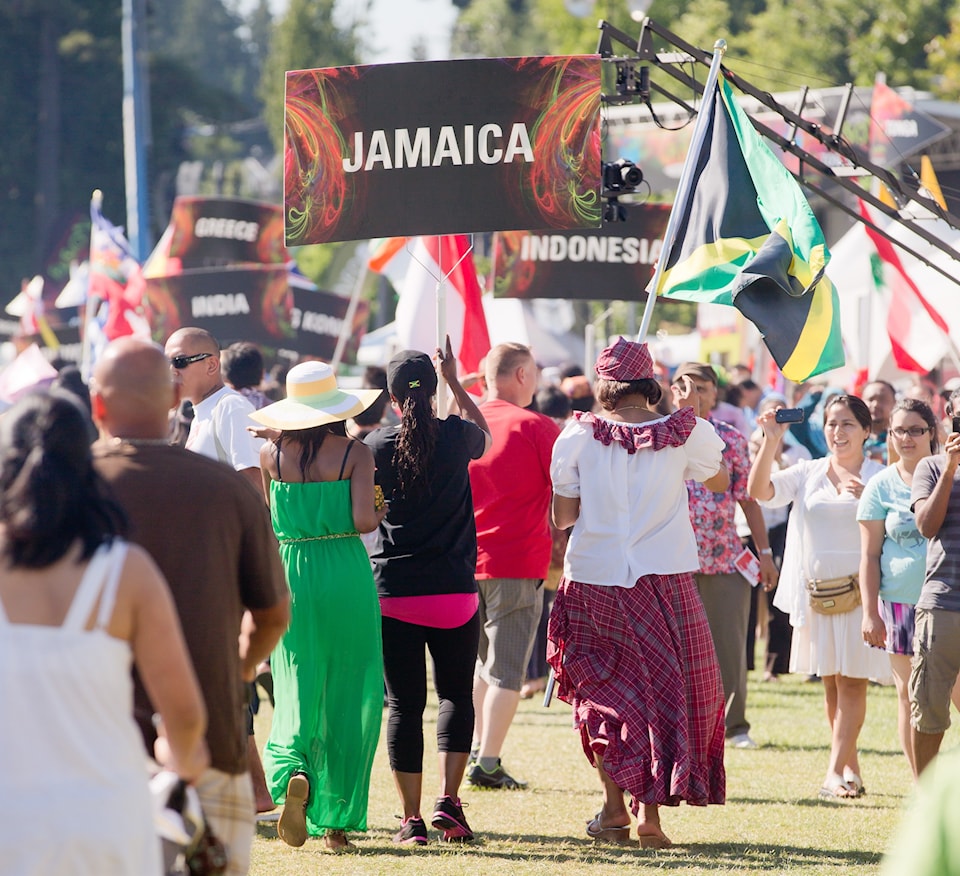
(823, 553)
(893, 552)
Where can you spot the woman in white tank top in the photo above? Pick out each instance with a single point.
(78, 605)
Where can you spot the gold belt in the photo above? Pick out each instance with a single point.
(319, 537)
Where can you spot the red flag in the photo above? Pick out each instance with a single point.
(432, 259)
(911, 321)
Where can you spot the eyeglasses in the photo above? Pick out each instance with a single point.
(181, 362)
(913, 432)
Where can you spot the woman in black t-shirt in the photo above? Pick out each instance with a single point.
(424, 568)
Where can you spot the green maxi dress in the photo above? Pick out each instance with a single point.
(328, 667)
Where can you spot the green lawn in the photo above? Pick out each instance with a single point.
(773, 821)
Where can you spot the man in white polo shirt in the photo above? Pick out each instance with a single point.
(219, 430)
(220, 414)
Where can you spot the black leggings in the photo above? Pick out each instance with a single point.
(454, 654)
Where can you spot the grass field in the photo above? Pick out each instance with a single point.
(772, 823)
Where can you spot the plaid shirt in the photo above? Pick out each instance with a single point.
(712, 514)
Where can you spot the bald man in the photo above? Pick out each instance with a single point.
(220, 414)
(210, 534)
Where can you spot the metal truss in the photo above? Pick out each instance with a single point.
(631, 60)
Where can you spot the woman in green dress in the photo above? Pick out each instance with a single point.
(328, 668)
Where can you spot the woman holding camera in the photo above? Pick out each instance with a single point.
(818, 581)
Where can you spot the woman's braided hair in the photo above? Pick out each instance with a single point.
(413, 452)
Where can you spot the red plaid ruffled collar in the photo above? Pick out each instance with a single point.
(672, 431)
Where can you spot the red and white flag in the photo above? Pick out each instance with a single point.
(432, 258)
(917, 331)
(111, 267)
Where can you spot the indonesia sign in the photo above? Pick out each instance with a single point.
(442, 147)
(614, 262)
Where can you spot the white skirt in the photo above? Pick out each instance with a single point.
(832, 644)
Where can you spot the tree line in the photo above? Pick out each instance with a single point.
(216, 75)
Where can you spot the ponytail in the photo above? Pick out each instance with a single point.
(416, 442)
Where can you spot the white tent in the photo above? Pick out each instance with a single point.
(863, 308)
(542, 327)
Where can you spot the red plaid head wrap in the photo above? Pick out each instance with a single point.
(625, 360)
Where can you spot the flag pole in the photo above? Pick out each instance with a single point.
(347, 328)
(441, 330)
(684, 188)
(86, 353)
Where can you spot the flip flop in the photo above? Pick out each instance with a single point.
(347, 846)
(619, 834)
(292, 826)
(855, 782)
(837, 790)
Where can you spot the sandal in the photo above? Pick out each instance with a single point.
(336, 841)
(836, 788)
(855, 783)
(292, 826)
(617, 834)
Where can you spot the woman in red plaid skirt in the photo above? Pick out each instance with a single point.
(628, 638)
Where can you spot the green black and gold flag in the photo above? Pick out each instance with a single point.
(747, 237)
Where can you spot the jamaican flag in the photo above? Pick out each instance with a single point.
(747, 237)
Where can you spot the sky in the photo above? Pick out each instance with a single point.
(396, 24)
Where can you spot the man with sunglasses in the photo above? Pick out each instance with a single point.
(219, 431)
(220, 414)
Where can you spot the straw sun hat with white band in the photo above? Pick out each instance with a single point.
(314, 399)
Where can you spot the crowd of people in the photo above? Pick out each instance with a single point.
(624, 535)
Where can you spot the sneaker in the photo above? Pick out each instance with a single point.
(741, 740)
(496, 778)
(412, 832)
(448, 817)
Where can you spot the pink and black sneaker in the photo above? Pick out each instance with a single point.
(448, 817)
(413, 832)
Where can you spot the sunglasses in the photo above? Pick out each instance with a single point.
(913, 431)
(181, 362)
